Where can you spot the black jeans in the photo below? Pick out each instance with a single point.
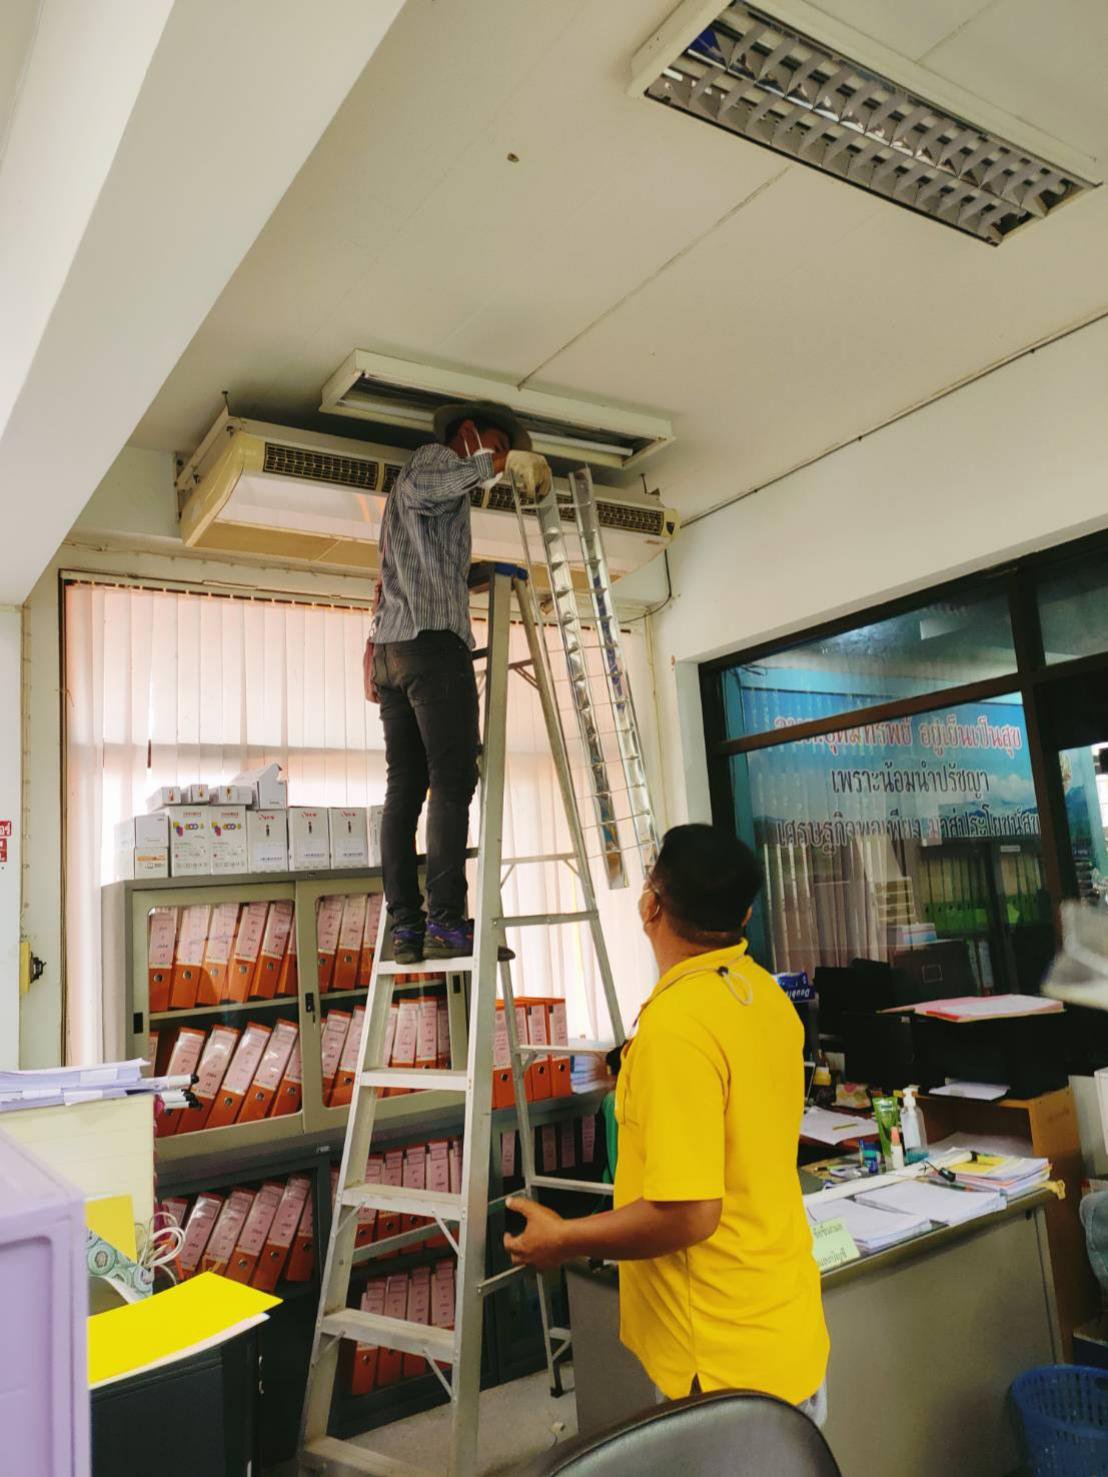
(429, 714)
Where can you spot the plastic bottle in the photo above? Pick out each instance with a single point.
(896, 1148)
(912, 1130)
(823, 1088)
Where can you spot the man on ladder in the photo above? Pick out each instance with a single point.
(420, 669)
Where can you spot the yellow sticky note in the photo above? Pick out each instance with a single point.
(183, 1320)
(113, 1218)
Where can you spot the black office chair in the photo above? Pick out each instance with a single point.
(727, 1433)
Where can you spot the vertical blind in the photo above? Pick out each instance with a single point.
(170, 687)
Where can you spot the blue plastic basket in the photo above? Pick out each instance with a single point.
(1063, 1410)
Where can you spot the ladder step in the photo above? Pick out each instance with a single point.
(463, 964)
(575, 1048)
(406, 1202)
(494, 1284)
(577, 1187)
(329, 1450)
(416, 1079)
(390, 1333)
(536, 920)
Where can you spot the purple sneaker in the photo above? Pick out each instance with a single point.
(455, 941)
(407, 945)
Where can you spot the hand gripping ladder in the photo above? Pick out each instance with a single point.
(463, 1217)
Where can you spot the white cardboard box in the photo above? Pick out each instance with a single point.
(134, 862)
(167, 795)
(190, 850)
(227, 829)
(309, 839)
(271, 792)
(142, 832)
(375, 817)
(230, 795)
(349, 842)
(197, 795)
(267, 838)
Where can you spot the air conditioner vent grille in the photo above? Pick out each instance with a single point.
(362, 473)
(627, 517)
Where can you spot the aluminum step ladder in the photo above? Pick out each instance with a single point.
(462, 1218)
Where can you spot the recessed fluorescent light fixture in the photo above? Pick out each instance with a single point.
(768, 79)
(397, 392)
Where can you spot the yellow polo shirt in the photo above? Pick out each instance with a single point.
(708, 1103)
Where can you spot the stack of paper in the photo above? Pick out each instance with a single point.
(1003, 1173)
(945, 1205)
(48, 1087)
(987, 1007)
(871, 1229)
(835, 1128)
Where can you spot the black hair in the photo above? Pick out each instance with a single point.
(706, 880)
(482, 426)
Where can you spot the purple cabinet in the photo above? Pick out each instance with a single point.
(44, 1402)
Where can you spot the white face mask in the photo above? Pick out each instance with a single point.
(474, 449)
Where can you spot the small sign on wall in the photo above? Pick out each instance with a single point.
(5, 837)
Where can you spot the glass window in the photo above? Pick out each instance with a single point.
(943, 644)
(1085, 783)
(913, 842)
(1073, 607)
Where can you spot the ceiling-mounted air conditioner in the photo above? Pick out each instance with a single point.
(253, 488)
(397, 392)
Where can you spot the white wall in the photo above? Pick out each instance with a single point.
(11, 821)
(1015, 461)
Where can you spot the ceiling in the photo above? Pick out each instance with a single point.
(18, 19)
(634, 256)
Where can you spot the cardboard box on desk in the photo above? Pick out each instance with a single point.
(349, 840)
(267, 840)
(190, 851)
(270, 791)
(309, 839)
(227, 838)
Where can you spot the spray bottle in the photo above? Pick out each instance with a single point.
(912, 1130)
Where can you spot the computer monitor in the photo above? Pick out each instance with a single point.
(939, 971)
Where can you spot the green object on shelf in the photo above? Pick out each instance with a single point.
(611, 1136)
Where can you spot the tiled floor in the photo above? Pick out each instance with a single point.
(518, 1422)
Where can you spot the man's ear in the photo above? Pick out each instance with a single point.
(749, 912)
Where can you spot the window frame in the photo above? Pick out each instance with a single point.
(1032, 678)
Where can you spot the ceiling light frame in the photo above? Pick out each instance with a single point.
(789, 78)
(372, 387)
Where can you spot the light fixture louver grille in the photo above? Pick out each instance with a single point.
(754, 76)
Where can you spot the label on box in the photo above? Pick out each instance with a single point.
(588, 1139)
(194, 935)
(349, 844)
(260, 1219)
(332, 1041)
(190, 852)
(427, 1039)
(293, 1068)
(289, 1211)
(252, 926)
(328, 920)
(367, 1214)
(442, 1032)
(559, 1029)
(213, 1063)
(162, 943)
(227, 828)
(375, 817)
(501, 1056)
(309, 839)
(153, 861)
(352, 930)
(390, 1034)
(536, 1025)
(549, 1136)
(442, 1295)
(568, 1145)
(407, 1029)
(276, 1055)
(833, 1245)
(508, 1154)
(277, 928)
(221, 933)
(198, 1229)
(396, 1295)
(267, 840)
(392, 1172)
(351, 1046)
(419, 1296)
(415, 1168)
(186, 1051)
(374, 903)
(373, 1301)
(197, 795)
(240, 1074)
(438, 1166)
(232, 1218)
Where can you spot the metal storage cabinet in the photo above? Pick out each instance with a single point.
(44, 1402)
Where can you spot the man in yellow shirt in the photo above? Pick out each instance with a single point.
(718, 1287)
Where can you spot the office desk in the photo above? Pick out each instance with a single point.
(926, 1337)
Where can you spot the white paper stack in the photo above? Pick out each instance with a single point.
(940, 1203)
(871, 1229)
(1008, 1175)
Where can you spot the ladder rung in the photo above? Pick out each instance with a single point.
(578, 1187)
(463, 964)
(390, 1333)
(373, 1250)
(575, 1048)
(407, 1202)
(561, 1333)
(494, 1284)
(535, 920)
(329, 1449)
(416, 1079)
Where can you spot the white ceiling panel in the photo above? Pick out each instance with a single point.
(18, 19)
(634, 255)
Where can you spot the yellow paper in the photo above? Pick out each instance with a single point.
(113, 1218)
(171, 1325)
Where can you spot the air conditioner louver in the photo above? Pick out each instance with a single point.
(319, 466)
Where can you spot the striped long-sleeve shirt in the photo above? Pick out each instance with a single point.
(426, 543)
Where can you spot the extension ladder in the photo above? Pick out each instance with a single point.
(454, 1355)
